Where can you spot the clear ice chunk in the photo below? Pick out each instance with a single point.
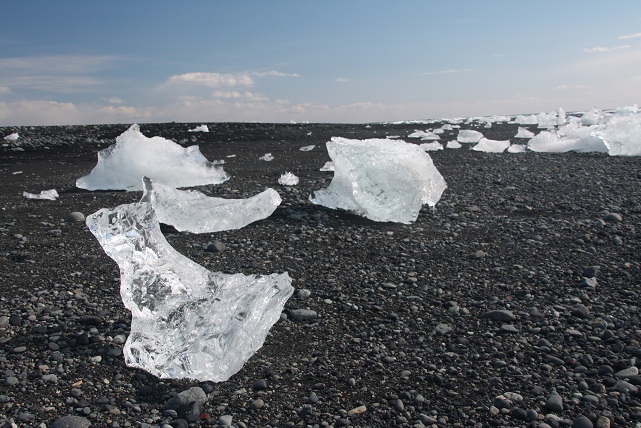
(193, 211)
(621, 135)
(468, 136)
(12, 137)
(524, 133)
(288, 179)
(491, 146)
(381, 179)
(122, 165)
(307, 148)
(431, 147)
(267, 157)
(187, 322)
(201, 128)
(50, 195)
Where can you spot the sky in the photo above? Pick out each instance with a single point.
(349, 61)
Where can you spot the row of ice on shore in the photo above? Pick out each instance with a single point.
(616, 132)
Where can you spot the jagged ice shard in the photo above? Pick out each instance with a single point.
(187, 322)
(193, 211)
(122, 165)
(381, 179)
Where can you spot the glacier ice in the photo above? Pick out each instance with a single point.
(288, 179)
(122, 165)
(187, 322)
(329, 166)
(453, 145)
(524, 133)
(570, 137)
(468, 136)
(424, 135)
(193, 211)
(431, 147)
(491, 146)
(517, 148)
(307, 148)
(50, 195)
(621, 135)
(381, 179)
(12, 137)
(266, 157)
(201, 128)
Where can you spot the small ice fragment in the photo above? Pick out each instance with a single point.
(231, 156)
(193, 211)
(453, 145)
(50, 195)
(424, 135)
(122, 165)
(517, 148)
(524, 133)
(468, 136)
(266, 157)
(16, 172)
(491, 146)
(383, 180)
(288, 179)
(12, 137)
(201, 128)
(307, 148)
(187, 321)
(329, 166)
(431, 147)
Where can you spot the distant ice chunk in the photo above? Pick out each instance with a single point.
(122, 165)
(491, 146)
(547, 120)
(201, 128)
(530, 119)
(266, 157)
(307, 148)
(50, 195)
(453, 145)
(621, 135)
(329, 166)
(12, 137)
(431, 147)
(193, 211)
(383, 180)
(524, 133)
(187, 322)
(468, 136)
(288, 179)
(424, 135)
(568, 138)
(517, 148)
(592, 117)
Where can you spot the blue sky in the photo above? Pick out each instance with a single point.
(80, 62)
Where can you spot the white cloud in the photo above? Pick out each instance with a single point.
(629, 36)
(52, 83)
(4, 90)
(115, 100)
(340, 80)
(212, 80)
(238, 95)
(600, 49)
(448, 71)
(274, 73)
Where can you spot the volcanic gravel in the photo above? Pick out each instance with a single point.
(513, 303)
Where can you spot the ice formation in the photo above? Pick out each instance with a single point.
(329, 166)
(383, 180)
(266, 157)
(193, 211)
(453, 145)
(621, 135)
(431, 147)
(288, 179)
(201, 128)
(307, 148)
(424, 135)
(524, 133)
(122, 165)
(12, 137)
(491, 146)
(468, 136)
(517, 148)
(50, 195)
(187, 322)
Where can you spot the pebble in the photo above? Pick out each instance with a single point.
(554, 403)
(71, 422)
(582, 422)
(500, 315)
(183, 398)
(215, 247)
(303, 314)
(75, 216)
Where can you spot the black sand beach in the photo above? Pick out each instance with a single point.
(514, 303)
